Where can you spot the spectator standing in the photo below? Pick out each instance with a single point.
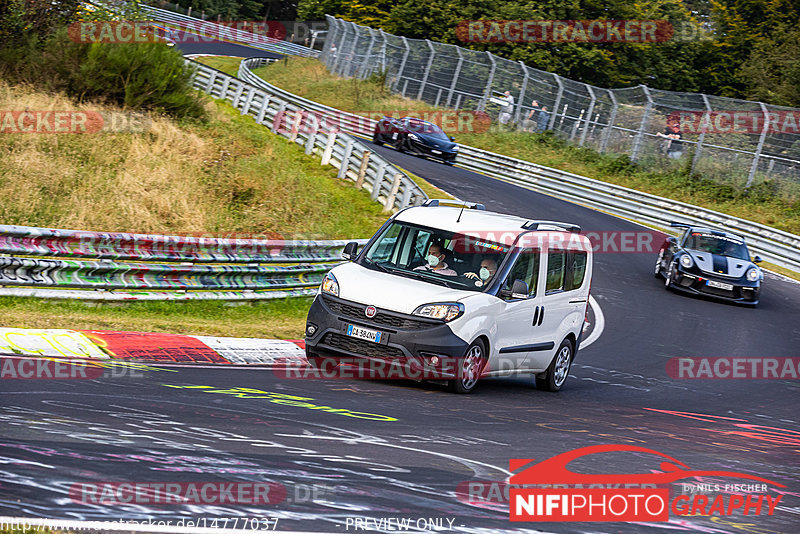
(507, 109)
(529, 122)
(674, 145)
(543, 119)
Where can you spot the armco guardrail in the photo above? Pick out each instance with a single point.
(286, 115)
(776, 246)
(207, 27)
(72, 264)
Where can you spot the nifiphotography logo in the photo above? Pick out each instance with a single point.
(611, 497)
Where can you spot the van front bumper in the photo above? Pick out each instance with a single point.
(408, 342)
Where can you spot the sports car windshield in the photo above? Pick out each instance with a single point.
(418, 126)
(404, 249)
(714, 244)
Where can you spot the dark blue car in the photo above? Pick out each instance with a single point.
(416, 136)
(708, 261)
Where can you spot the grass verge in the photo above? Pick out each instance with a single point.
(309, 78)
(224, 176)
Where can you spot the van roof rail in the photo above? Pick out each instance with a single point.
(433, 202)
(568, 227)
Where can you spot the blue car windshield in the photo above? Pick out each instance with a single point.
(426, 128)
(720, 245)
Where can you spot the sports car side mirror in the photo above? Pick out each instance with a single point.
(350, 249)
(757, 259)
(452, 138)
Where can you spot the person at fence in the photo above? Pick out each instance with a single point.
(529, 123)
(487, 270)
(333, 50)
(673, 143)
(435, 261)
(506, 109)
(542, 119)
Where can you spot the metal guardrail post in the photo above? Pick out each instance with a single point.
(637, 143)
(588, 116)
(698, 149)
(393, 193)
(558, 102)
(522, 90)
(223, 92)
(262, 111)
(376, 185)
(754, 167)
(487, 93)
(427, 69)
(279, 117)
(298, 118)
(345, 164)
(362, 169)
(251, 91)
(611, 120)
(455, 76)
(312, 135)
(326, 154)
(211, 80)
(402, 64)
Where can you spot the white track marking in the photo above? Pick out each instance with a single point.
(599, 323)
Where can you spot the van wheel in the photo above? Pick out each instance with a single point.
(470, 368)
(557, 372)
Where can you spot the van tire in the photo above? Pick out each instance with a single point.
(470, 368)
(558, 371)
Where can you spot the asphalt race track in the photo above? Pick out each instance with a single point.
(370, 449)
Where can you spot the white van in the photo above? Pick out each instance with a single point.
(460, 292)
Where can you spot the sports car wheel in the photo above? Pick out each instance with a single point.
(376, 140)
(657, 272)
(557, 372)
(670, 275)
(470, 368)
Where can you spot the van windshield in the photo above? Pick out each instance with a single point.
(436, 256)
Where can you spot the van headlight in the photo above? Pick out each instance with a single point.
(330, 285)
(446, 311)
(753, 274)
(687, 261)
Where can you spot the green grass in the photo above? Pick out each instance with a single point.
(279, 318)
(227, 176)
(310, 79)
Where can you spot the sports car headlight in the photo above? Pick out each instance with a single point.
(447, 311)
(687, 261)
(413, 136)
(330, 285)
(753, 274)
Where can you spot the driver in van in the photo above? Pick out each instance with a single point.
(435, 261)
(487, 270)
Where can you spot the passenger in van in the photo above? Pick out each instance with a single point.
(487, 270)
(435, 261)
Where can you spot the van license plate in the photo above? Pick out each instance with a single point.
(720, 285)
(364, 333)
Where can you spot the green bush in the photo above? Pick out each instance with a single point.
(147, 76)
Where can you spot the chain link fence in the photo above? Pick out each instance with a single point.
(623, 121)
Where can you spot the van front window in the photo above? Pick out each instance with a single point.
(435, 256)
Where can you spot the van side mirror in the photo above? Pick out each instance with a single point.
(350, 251)
(757, 259)
(519, 290)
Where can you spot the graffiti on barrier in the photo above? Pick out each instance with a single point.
(48, 342)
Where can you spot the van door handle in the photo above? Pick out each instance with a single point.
(535, 316)
(541, 317)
